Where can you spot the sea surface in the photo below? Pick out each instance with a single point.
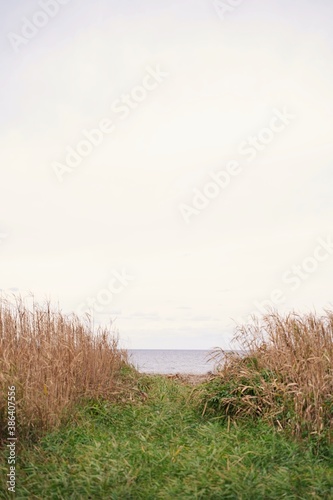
(171, 361)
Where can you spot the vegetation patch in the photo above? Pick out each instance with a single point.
(160, 447)
(53, 361)
(92, 427)
(285, 378)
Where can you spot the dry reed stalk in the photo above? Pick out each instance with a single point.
(287, 374)
(53, 360)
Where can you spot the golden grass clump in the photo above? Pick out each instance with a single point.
(285, 376)
(53, 360)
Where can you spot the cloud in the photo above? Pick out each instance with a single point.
(120, 206)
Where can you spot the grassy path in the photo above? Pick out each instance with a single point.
(159, 447)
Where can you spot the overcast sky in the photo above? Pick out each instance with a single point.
(130, 222)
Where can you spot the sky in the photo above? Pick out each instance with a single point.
(167, 165)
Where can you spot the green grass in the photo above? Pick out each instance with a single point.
(159, 447)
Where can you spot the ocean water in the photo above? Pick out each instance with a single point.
(171, 361)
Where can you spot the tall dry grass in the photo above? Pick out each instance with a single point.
(286, 375)
(53, 360)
